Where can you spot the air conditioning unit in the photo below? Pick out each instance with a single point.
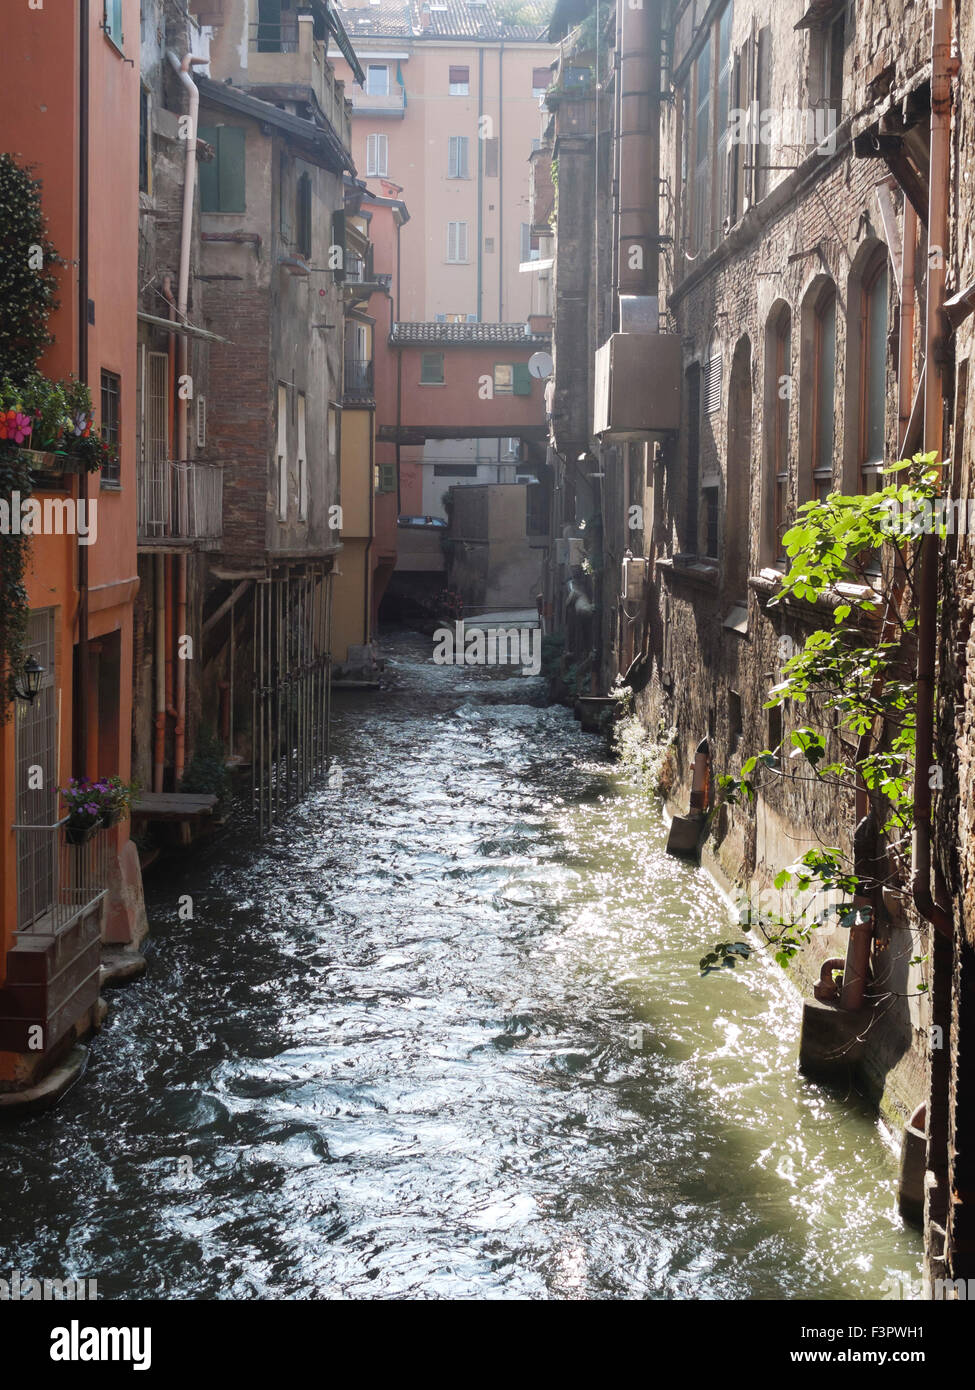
(637, 386)
(634, 585)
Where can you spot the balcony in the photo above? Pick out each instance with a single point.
(390, 104)
(289, 55)
(358, 379)
(58, 883)
(180, 504)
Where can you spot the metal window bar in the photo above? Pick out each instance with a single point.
(72, 880)
(274, 38)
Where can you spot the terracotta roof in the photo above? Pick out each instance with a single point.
(471, 334)
(449, 19)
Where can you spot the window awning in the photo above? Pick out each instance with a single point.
(819, 12)
(342, 40)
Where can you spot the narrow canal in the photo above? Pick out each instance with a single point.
(393, 1053)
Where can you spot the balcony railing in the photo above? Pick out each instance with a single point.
(391, 103)
(57, 882)
(289, 54)
(180, 502)
(358, 378)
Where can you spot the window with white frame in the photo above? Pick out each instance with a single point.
(459, 79)
(457, 242)
(458, 147)
(377, 156)
(282, 452)
(377, 80)
(302, 461)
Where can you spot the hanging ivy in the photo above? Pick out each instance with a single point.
(28, 283)
(28, 289)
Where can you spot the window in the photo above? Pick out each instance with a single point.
(693, 396)
(457, 151)
(489, 245)
(377, 156)
(377, 80)
(302, 461)
(282, 452)
(386, 477)
(504, 377)
(712, 383)
(113, 22)
(827, 41)
(491, 158)
(455, 470)
(457, 242)
(541, 77)
(824, 392)
(710, 497)
(111, 424)
(303, 214)
(144, 157)
(277, 32)
(431, 369)
(529, 244)
(873, 373)
(778, 442)
(736, 725)
(536, 509)
(707, 134)
(455, 318)
(222, 180)
(460, 81)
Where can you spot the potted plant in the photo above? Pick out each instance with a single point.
(116, 799)
(84, 806)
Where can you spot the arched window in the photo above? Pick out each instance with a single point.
(778, 444)
(824, 393)
(873, 373)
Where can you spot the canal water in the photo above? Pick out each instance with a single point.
(444, 1036)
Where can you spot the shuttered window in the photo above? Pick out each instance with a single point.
(491, 158)
(712, 379)
(377, 156)
(457, 241)
(457, 151)
(521, 379)
(303, 214)
(222, 179)
(386, 481)
(431, 369)
(460, 81)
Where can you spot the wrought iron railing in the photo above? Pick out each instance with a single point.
(180, 501)
(358, 377)
(56, 881)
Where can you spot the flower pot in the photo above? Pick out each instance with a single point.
(111, 816)
(78, 833)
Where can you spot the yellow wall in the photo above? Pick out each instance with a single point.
(352, 599)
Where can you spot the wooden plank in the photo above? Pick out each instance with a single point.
(173, 805)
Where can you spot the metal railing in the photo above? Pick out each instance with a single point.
(56, 881)
(180, 501)
(358, 377)
(274, 38)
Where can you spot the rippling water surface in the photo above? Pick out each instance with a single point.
(393, 1055)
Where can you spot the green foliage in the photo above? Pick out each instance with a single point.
(648, 760)
(855, 558)
(15, 478)
(28, 284)
(207, 772)
(59, 419)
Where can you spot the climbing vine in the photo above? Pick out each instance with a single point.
(854, 557)
(28, 283)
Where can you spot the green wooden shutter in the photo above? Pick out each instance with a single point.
(521, 379)
(230, 167)
(207, 172)
(113, 21)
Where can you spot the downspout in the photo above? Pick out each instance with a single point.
(941, 73)
(84, 676)
(501, 182)
(186, 231)
(480, 179)
(399, 379)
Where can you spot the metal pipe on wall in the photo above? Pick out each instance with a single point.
(84, 673)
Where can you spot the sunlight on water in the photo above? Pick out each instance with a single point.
(444, 1036)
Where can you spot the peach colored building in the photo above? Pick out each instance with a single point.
(69, 107)
(449, 116)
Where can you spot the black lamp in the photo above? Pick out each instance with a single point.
(30, 681)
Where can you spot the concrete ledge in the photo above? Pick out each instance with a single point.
(831, 1039)
(47, 1092)
(121, 964)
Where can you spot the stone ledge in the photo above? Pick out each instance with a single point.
(48, 1091)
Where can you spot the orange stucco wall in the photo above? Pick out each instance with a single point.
(39, 123)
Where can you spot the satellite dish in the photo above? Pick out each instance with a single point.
(540, 364)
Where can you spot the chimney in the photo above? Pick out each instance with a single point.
(425, 15)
